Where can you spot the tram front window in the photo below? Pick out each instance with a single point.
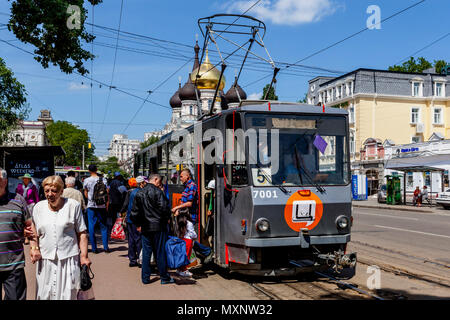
(311, 150)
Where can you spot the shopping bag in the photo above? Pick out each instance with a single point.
(117, 231)
(176, 253)
(86, 295)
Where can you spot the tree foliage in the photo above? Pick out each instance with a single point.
(72, 139)
(305, 99)
(418, 66)
(149, 142)
(45, 25)
(13, 102)
(111, 165)
(271, 95)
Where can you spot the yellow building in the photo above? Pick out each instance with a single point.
(386, 108)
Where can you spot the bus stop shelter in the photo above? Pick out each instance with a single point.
(433, 163)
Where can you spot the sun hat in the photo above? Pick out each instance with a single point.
(141, 179)
(26, 175)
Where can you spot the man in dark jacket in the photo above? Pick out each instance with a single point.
(150, 214)
(117, 192)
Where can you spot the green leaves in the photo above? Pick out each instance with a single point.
(13, 102)
(49, 26)
(418, 66)
(149, 142)
(72, 139)
(271, 95)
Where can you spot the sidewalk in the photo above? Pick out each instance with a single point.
(373, 203)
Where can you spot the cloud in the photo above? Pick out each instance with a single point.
(254, 96)
(285, 12)
(77, 86)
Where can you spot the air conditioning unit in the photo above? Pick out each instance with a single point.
(420, 128)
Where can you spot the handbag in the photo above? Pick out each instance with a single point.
(85, 278)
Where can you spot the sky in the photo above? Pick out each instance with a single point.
(156, 51)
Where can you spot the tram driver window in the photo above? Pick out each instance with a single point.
(235, 158)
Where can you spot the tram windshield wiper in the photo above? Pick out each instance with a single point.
(319, 188)
(283, 189)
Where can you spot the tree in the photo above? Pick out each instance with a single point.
(13, 102)
(439, 65)
(56, 28)
(111, 165)
(149, 142)
(305, 99)
(418, 66)
(72, 139)
(271, 95)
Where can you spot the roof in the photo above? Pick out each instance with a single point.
(377, 70)
(428, 163)
(56, 150)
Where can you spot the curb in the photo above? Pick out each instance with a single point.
(393, 208)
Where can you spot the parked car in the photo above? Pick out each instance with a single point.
(382, 193)
(443, 199)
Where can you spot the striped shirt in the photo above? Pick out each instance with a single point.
(13, 214)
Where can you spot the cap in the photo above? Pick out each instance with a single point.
(26, 175)
(92, 168)
(141, 179)
(117, 173)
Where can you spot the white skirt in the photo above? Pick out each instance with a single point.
(58, 279)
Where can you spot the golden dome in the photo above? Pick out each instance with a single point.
(209, 75)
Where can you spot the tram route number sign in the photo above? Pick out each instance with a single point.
(303, 211)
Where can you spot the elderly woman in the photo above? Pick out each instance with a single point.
(28, 190)
(60, 245)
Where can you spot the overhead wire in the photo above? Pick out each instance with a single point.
(114, 68)
(338, 42)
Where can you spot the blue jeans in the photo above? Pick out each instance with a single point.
(97, 215)
(154, 241)
(134, 242)
(201, 249)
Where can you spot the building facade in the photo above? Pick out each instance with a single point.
(31, 133)
(123, 148)
(385, 108)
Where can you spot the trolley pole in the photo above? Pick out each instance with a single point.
(82, 163)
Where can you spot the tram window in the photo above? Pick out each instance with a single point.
(237, 172)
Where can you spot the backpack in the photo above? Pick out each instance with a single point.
(176, 253)
(100, 193)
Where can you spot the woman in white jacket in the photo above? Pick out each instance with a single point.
(60, 245)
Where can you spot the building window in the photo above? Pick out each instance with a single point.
(416, 139)
(437, 116)
(347, 89)
(414, 115)
(417, 89)
(438, 89)
(352, 142)
(338, 92)
(351, 111)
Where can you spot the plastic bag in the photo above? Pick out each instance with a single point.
(118, 232)
(86, 295)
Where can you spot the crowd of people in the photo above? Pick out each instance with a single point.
(58, 220)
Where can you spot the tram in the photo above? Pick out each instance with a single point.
(282, 195)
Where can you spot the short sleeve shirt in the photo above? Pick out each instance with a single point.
(57, 231)
(190, 194)
(13, 214)
(89, 184)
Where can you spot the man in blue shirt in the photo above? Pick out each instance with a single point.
(189, 199)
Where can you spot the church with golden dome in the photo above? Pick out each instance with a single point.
(184, 101)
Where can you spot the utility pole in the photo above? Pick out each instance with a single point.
(82, 165)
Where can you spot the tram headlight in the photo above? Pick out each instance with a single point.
(342, 222)
(262, 224)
